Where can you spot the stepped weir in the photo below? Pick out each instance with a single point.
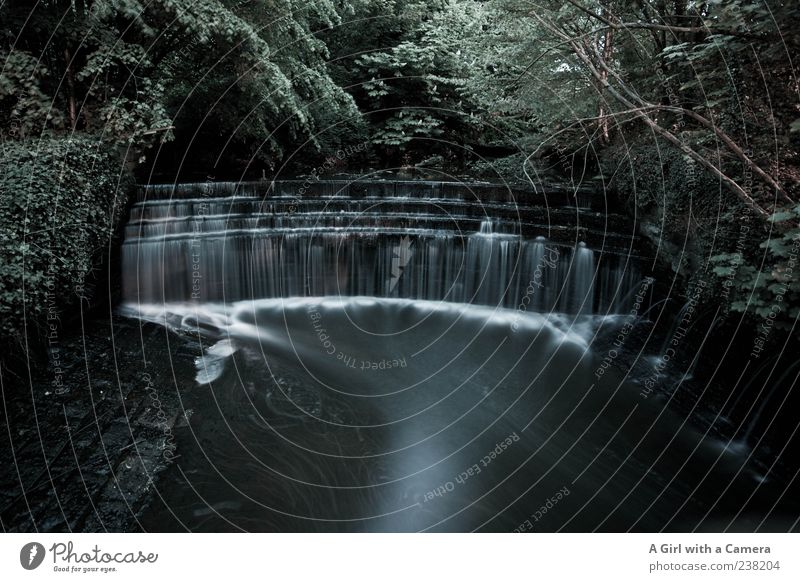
(463, 243)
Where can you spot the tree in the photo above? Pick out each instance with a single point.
(411, 79)
(247, 77)
(689, 105)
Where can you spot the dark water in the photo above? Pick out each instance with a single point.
(385, 377)
(407, 416)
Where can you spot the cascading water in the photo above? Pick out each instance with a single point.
(240, 247)
(402, 356)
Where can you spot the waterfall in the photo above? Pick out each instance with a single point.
(365, 343)
(487, 227)
(581, 285)
(425, 240)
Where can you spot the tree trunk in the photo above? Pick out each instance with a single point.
(641, 112)
(72, 108)
(607, 51)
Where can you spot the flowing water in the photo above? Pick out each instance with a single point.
(391, 359)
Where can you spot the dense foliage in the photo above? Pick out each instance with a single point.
(248, 78)
(59, 202)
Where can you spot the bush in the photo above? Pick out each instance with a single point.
(706, 233)
(59, 202)
(508, 169)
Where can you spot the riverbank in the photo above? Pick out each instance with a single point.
(87, 441)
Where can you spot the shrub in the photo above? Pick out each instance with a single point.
(706, 233)
(59, 202)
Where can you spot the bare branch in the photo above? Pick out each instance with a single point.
(671, 138)
(661, 27)
(708, 124)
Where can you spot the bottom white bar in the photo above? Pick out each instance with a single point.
(401, 557)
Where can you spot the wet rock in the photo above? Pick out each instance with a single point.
(87, 457)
